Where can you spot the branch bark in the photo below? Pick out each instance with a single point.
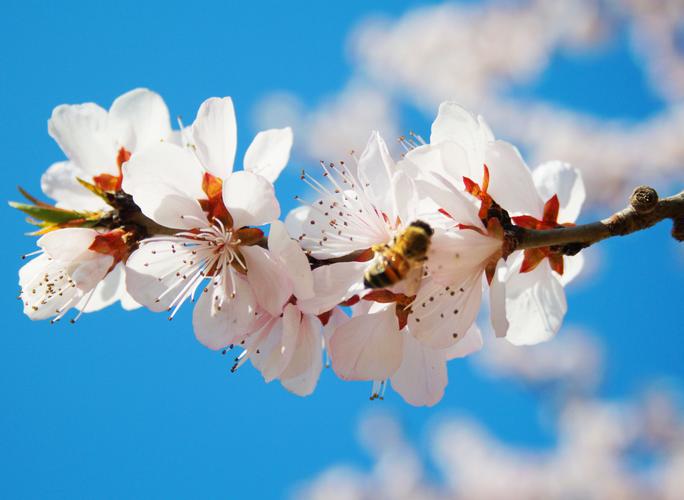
(645, 210)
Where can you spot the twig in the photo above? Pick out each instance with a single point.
(644, 211)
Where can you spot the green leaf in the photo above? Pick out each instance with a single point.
(49, 214)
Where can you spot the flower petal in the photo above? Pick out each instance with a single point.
(472, 342)
(535, 305)
(497, 300)
(334, 283)
(368, 347)
(69, 244)
(422, 375)
(441, 316)
(510, 183)
(59, 183)
(304, 369)
(268, 279)
(218, 326)
(139, 119)
(456, 124)
(269, 153)
(81, 131)
(108, 291)
(250, 199)
(214, 134)
(572, 267)
(293, 260)
(272, 349)
(375, 171)
(555, 177)
(166, 181)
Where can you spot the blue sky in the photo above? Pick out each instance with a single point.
(129, 404)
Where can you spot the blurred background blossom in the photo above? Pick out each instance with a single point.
(487, 55)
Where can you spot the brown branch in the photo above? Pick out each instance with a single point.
(645, 210)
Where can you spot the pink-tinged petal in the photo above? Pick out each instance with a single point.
(293, 260)
(368, 347)
(59, 183)
(138, 119)
(555, 177)
(455, 124)
(456, 254)
(268, 279)
(271, 350)
(304, 369)
(472, 342)
(375, 171)
(250, 199)
(334, 283)
(572, 267)
(497, 300)
(214, 135)
(510, 183)
(422, 375)
(535, 305)
(296, 219)
(219, 320)
(269, 153)
(442, 316)
(69, 244)
(81, 131)
(166, 183)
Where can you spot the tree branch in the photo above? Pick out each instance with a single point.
(644, 211)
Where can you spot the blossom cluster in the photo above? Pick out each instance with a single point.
(383, 265)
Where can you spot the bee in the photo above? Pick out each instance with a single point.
(402, 260)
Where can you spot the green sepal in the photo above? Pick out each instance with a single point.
(52, 215)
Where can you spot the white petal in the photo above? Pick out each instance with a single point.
(151, 274)
(59, 183)
(422, 376)
(69, 244)
(293, 260)
(138, 119)
(441, 317)
(572, 267)
(269, 153)
(510, 181)
(166, 181)
(375, 170)
(301, 375)
(39, 302)
(272, 349)
(107, 291)
(460, 208)
(555, 177)
(454, 123)
(82, 133)
(334, 283)
(214, 134)
(367, 347)
(250, 199)
(218, 327)
(497, 300)
(404, 197)
(472, 342)
(535, 305)
(268, 279)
